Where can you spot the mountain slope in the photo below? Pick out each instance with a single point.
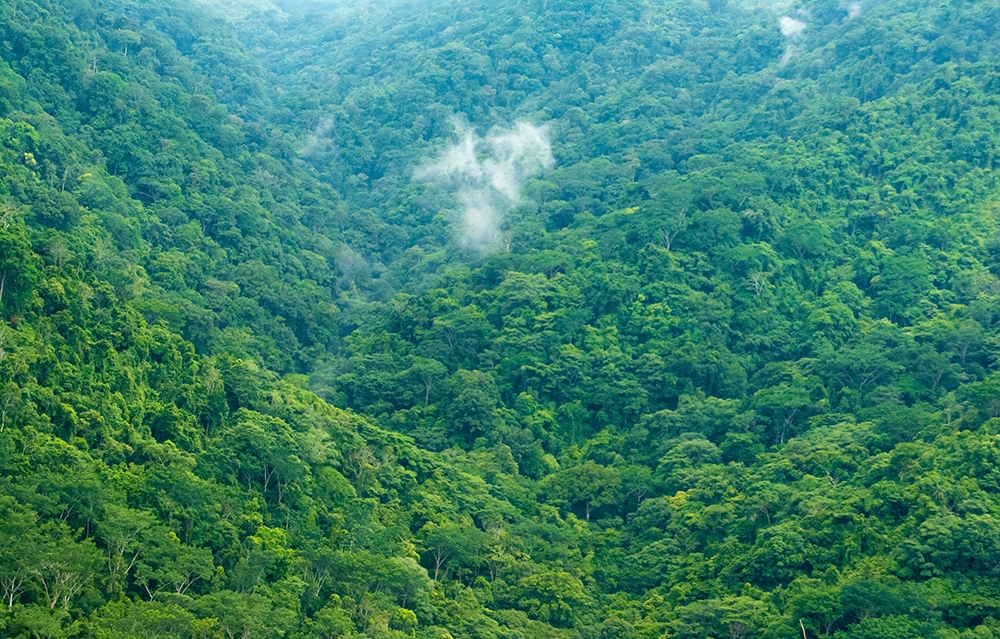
(517, 319)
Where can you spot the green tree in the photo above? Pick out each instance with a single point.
(474, 397)
(589, 485)
(553, 596)
(19, 268)
(450, 544)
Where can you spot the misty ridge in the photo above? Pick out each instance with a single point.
(487, 173)
(250, 12)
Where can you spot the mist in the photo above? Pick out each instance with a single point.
(317, 138)
(791, 30)
(487, 174)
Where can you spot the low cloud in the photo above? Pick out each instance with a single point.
(791, 28)
(487, 174)
(853, 10)
(317, 140)
(350, 266)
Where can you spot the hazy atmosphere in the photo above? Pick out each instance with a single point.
(505, 319)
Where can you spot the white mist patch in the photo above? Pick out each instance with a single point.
(487, 173)
(317, 138)
(791, 28)
(349, 265)
(853, 10)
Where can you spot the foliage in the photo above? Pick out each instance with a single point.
(729, 369)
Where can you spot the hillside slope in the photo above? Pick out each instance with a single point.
(499, 319)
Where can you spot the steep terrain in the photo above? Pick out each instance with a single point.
(518, 318)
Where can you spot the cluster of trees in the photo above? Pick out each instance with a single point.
(730, 373)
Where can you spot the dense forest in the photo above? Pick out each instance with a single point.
(499, 319)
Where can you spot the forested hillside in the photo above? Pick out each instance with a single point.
(499, 319)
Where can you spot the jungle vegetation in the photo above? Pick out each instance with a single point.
(720, 360)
